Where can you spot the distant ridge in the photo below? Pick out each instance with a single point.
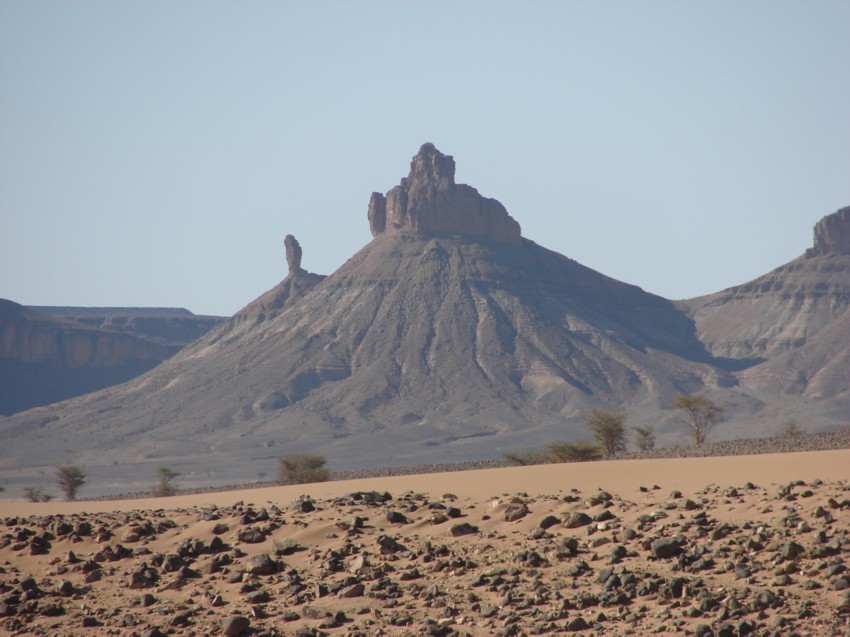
(71, 310)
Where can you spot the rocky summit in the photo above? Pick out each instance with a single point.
(428, 202)
(451, 337)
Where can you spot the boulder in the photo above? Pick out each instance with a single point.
(261, 564)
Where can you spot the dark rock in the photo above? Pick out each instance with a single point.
(516, 512)
(235, 625)
(665, 547)
(261, 564)
(395, 517)
(577, 519)
(285, 546)
(304, 505)
(791, 551)
(251, 536)
(355, 590)
(577, 623)
(464, 528)
(259, 597)
(389, 545)
(52, 610)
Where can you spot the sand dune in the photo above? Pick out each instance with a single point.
(709, 546)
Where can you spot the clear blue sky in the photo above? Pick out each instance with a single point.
(156, 153)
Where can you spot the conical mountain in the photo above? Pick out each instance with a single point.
(449, 336)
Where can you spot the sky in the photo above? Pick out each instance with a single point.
(156, 153)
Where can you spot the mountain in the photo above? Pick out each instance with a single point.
(789, 328)
(56, 353)
(448, 337)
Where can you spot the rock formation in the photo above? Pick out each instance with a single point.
(296, 284)
(428, 202)
(293, 253)
(832, 233)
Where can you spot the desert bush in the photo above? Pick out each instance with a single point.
(165, 482)
(644, 438)
(573, 451)
(701, 414)
(36, 494)
(302, 468)
(608, 430)
(523, 458)
(791, 430)
(69, 479)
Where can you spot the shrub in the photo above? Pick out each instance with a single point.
(69, 479)
(36, 494)
(165, 485)
(573, 451)
(523, 458)
(301, 468)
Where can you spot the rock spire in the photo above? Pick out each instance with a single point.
(293, 253)
(428, 202)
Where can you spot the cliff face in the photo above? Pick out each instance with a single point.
(45, 358)
(832, 234)
(29, 337)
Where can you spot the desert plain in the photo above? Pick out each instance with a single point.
(736, 545)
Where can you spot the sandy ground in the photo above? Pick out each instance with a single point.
(709, 546)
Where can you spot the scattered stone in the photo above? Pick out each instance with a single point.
(665, 547)
(235, 625)
(464, 528)
(261, 564)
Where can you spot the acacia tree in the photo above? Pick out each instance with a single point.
(701, 414)
(69, 479)
(302, 468)
(607, 428)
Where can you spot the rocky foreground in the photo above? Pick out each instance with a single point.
(748, 559)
